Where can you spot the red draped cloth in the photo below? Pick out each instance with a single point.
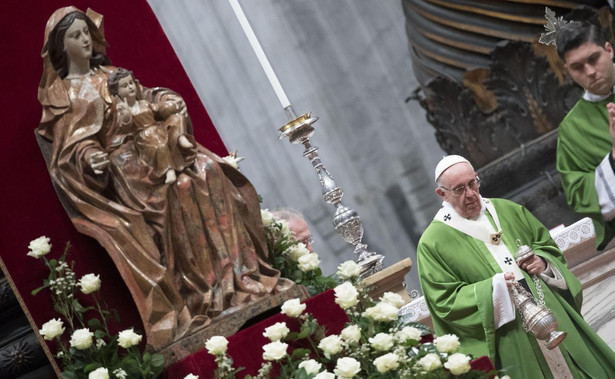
(29, 204)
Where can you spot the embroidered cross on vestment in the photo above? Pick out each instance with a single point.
(447, 217)
(508, 261)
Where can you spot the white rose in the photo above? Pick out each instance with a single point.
(99, 373)
(347, 367)
(277, 331)
(430, 362)
(351, 334)
(408, 333)
(274, 351)
(120, 374)
(216, 345)
(348, 269)
(295, 252)
(325, 375)
(382, 341)
(81, 339)
(284, 229)
(448, 343)
(267, 217)
(52, 329)
(293, 308)
(89, 283)
(191, 376)
(128, 338)
(382, 312)
(39, 247)
(346, 295)
(458, 364)
(310, 366)
(308, 262)
(330, 345)
(393, 298)
(386, 362)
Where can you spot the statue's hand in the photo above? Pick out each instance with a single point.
(123, 109)
(99, 161)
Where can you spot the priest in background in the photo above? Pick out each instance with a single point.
(466, 261)
(585, 148)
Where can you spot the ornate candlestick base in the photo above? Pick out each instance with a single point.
(346, 221)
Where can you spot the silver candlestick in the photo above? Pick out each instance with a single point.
(346, 221)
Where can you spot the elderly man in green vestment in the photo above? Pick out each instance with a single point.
(585, 148)
(466, 262)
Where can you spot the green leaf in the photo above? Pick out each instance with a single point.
(69, 375)
(91, 367)
(39, 289)
(98, 333)
(306, 330)
(94, 323)
(52, 264)
(157, 360)
(302, 374)
(78, 307)
(300, 353)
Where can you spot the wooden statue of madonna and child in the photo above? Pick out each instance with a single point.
(182, 226)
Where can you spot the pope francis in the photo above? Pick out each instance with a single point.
(466, 261)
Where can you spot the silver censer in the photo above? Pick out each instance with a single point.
(536, 317)
(346, 221)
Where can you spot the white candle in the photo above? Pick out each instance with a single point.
(260, 54)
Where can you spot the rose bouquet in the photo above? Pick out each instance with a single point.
(292, 258)
(91, 350)
(375, 343)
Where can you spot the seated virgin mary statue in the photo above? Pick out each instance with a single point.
(187, 249)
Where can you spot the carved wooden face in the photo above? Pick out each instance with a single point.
(78, 42)
(127, 89)
(467, 204)
(591, 66)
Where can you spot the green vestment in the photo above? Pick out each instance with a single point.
(456, 273)
(583, 142)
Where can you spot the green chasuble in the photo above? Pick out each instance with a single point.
(456, 273)
(583, 142)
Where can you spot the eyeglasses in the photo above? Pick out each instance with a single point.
(308, 240)
(460, 190)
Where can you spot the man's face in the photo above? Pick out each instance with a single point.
(467, 204)
(591, 66)
(301, 231)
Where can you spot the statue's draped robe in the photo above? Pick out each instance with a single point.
(456, 273)
(583, 142)
(187, 250)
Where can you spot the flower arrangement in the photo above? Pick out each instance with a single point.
(375, 343)
(92, 351)
(292, 258)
